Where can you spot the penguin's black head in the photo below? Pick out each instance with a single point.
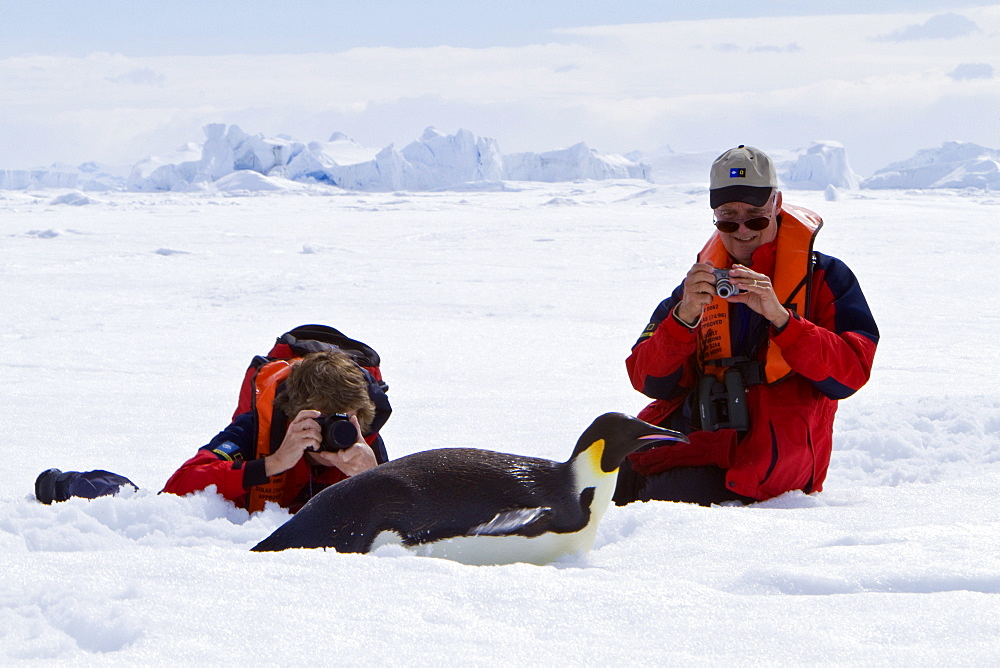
(622, 434)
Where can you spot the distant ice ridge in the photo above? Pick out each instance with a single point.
(231, 160)
(824, 164)
(435, 161)
(88, 176)
(575, 162)
(954, 165)
(820, 165)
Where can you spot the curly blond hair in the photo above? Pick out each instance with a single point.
(328, 382)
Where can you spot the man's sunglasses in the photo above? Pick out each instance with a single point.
(755, 224)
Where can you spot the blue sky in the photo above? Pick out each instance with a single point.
(214, 27)
(115, 81)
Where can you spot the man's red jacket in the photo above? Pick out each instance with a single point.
(228, 463)
(790, 438)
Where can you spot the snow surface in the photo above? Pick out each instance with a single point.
(503, 316)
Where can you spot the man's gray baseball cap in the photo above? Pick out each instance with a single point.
(742, 174)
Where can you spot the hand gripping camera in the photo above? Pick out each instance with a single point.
(723, 285)
(339, 433)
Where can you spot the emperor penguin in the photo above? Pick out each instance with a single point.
(474, 506)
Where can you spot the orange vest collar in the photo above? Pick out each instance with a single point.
(266, 383)
(792, 274)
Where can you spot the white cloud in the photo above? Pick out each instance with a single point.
(940, 26)
(617, 88)
(972, 71)
(787, 48)
(140, 77)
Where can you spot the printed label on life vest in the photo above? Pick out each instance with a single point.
(712, 319)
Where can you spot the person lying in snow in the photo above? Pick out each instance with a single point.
(262, 455)
(750, 354)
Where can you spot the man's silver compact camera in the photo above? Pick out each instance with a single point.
(723, 286)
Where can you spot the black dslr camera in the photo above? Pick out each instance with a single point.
(723, 286)
(723, 405)
(338, 432)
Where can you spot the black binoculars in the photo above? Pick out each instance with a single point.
(723, 405)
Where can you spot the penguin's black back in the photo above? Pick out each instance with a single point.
(433, 495)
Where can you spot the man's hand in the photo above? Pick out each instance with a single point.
(758, 294)
(353, 460)
(303, 434)
(699, 288)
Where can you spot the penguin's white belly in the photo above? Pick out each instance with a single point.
(491, 546)
(499, 550)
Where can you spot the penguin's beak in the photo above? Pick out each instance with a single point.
(665, 435)
(620, 435)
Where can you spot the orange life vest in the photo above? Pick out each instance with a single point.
(266, 383)
(792, 274)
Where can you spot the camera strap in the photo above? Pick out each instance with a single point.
(751, 370)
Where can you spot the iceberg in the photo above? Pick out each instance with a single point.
(821, 165)
(435, 161)
(954, 164)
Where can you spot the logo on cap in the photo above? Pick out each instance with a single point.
(738, 173)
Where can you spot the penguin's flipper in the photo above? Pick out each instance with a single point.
(510, 522)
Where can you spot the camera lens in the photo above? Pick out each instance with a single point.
(338, 433)
(724, 288)
(342, 434)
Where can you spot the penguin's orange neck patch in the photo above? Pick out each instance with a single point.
(594, 454)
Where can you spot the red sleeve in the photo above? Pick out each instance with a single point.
(206, 469)
(840, 362)
(837, 350)
(657, 364)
